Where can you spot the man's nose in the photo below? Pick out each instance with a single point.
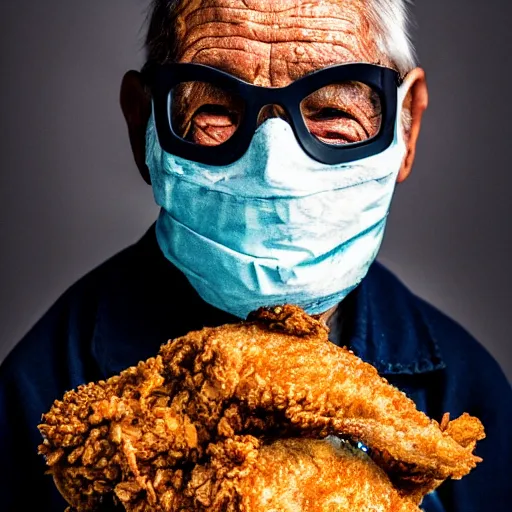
(270, 111)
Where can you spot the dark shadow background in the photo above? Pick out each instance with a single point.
(70, 194)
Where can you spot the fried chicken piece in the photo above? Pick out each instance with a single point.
(123, 437)
(464, 430)
(292, 475)
(279, 371)
(144, 437)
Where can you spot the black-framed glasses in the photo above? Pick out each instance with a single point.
(338, 114)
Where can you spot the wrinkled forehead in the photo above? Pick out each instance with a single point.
(273, 42)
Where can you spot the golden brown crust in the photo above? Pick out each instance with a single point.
(173, 432)
(292, 475)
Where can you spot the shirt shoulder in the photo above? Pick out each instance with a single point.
(59, 338)
(116, 315)
(472, 379)
(52, 358)
(458, 348)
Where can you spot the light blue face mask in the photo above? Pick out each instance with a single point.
(276, 226)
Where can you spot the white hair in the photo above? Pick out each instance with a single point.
(392, 21)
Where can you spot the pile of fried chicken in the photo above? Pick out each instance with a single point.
(265, 415)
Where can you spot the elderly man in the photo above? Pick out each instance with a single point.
(273, 133)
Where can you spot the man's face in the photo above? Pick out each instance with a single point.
(272, 43)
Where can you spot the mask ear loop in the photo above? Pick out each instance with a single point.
(402, 91)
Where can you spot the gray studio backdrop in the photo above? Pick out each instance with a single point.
(70, 195)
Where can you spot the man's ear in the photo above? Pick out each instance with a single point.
(415, 102)
(136, 106)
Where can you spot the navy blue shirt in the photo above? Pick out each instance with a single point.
(121, 312)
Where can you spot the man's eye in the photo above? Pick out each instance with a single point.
(212, 124)
(327, 114)
(215, 110)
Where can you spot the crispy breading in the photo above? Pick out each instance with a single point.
(196, 427)
(293, 475)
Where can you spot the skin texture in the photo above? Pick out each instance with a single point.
(272, 45)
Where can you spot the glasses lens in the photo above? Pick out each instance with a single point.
(203, 113)
(343, 113)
